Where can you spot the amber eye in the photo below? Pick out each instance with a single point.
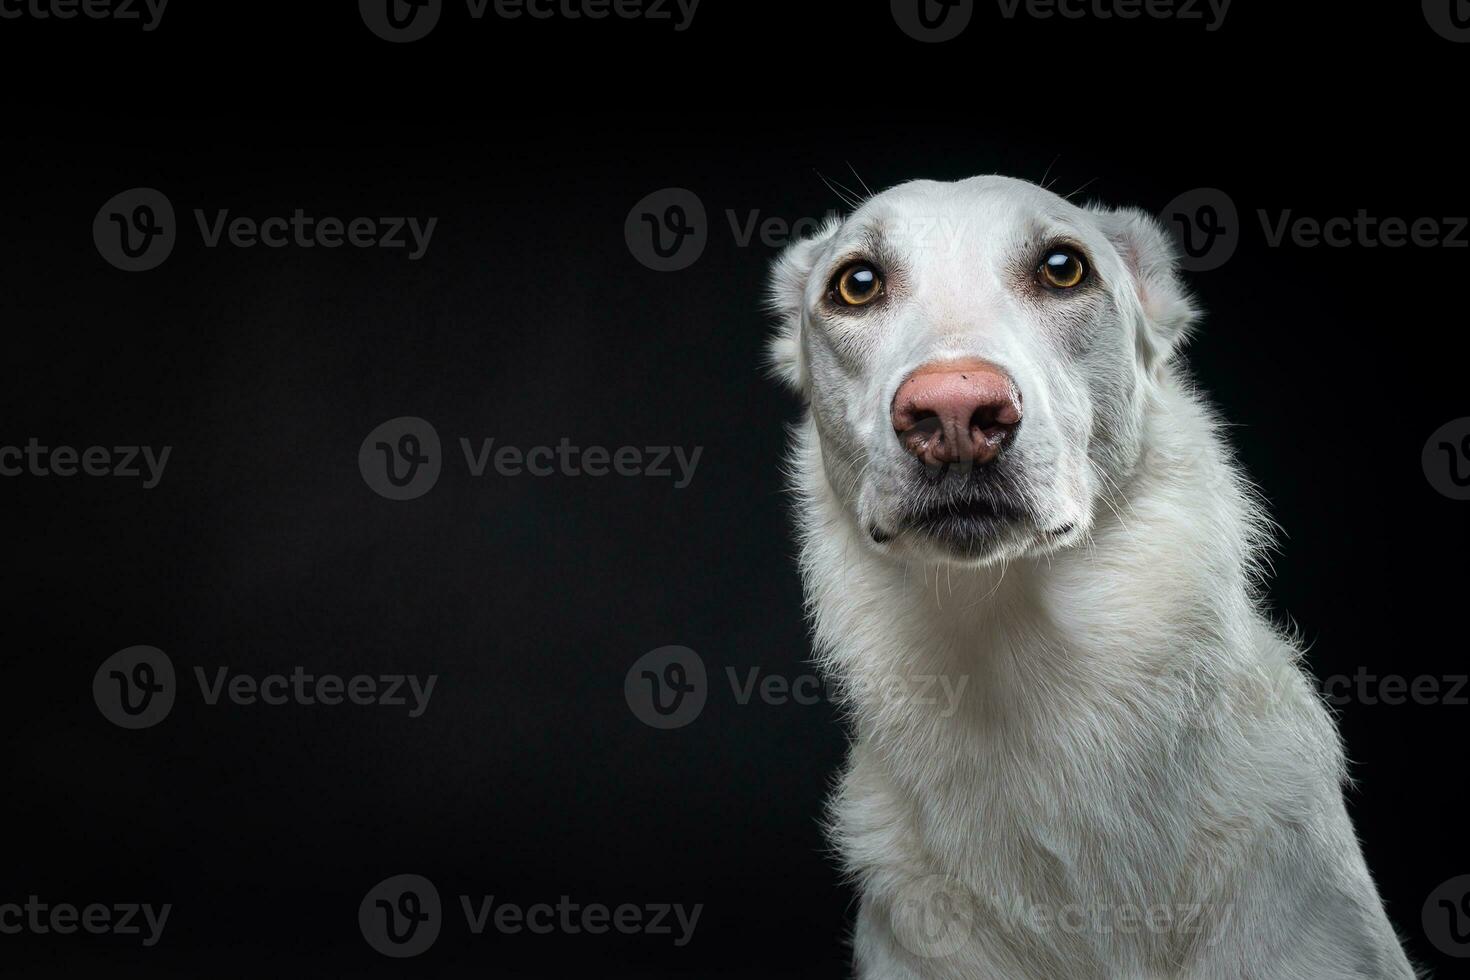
(1062, 268)
(858, 284)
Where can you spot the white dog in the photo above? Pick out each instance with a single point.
(1006, 481)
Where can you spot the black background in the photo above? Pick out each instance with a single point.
(529, 320)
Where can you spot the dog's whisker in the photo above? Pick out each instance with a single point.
(1046, 173)
(1080, 189)
(861, 183)
(853, 195)
(846, 199)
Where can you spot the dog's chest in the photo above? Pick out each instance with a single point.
(1053, 818)
(1053, 862)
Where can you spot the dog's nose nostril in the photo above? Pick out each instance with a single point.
(995, 420)
(926, 425)
(956, 412)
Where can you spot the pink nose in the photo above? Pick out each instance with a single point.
(956, 412)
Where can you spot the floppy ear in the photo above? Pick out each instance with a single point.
(1149, 253)
(786, 301)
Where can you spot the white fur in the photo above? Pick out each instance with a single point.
(1133, 732)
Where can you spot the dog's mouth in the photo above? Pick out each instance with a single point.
(964, 514)
(969, 515)
(969, 525)
(963, 521)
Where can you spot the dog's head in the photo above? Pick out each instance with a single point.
(977, 358)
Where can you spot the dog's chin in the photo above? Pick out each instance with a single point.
(973, 531)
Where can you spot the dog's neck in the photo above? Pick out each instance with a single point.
(1140, 610)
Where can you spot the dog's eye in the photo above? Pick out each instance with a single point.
(1062, 268)
(857, 285)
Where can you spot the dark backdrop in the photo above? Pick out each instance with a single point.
(530, 320)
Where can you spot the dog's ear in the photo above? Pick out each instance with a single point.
(786, 301)
(1152, 259)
